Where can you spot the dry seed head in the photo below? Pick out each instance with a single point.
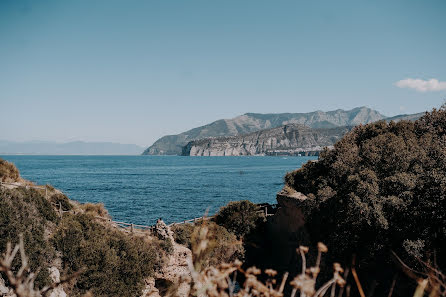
(253, 270)
(340, 282)
(271, 272)
(225, 265)
(314, 271)
(322, 247)
(237, 263)
(304, 249)
(337, 267)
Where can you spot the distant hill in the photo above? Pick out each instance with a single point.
(406, 117)
(252, 122)
(69, 148)
(293, 139)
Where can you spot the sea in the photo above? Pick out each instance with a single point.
(141, 189)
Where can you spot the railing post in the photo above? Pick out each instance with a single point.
(131, 228)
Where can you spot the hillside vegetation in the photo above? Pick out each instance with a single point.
(8, 172)
(382, 188)
(112, 263)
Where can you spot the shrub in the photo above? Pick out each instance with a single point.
(8, 172)
(382, 187)
(166, 245)
(96, 209)
(182, 233)
(62, 200)
(239, 217)
(116, 264)
(27, 212)
(222, 245)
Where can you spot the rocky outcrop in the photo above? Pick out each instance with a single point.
(284, 227)
(55, 277)
(174, 275)
(252, 122)
(294, 139)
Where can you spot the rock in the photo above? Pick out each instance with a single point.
(150, 290)
(175, 275)
(162, 231)
(55, 277)
(293, 139)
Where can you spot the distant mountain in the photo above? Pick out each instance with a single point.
(252, 122)
(405, 117)
(69, 148)
(293, 139)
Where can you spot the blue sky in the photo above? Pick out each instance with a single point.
(133, 71)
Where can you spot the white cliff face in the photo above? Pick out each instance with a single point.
(286, 140)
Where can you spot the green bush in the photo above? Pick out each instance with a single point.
(223, 245)
(182, 234)
(62, 200)
(382, 188)
(239, 217)
(27, 212)
(116, 264)
(166, 245)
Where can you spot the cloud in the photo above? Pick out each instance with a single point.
(422, 85)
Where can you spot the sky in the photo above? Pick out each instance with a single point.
(133, 71)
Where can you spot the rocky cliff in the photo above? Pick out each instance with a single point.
(252, 122)
(293, 139)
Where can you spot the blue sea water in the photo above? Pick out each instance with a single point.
(140, 189)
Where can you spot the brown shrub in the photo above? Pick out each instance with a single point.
(8, 172)
(95, 209)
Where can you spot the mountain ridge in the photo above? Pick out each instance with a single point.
(252, 122)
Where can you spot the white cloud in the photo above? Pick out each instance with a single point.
(422, 85)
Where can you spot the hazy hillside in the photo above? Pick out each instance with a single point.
(251, 122)
(293, 139)
(69, 148)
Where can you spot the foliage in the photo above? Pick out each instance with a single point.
(382, 187)
(27, 212)
(116, 264)
(62, 200)
(220, 280)
(182, 234)
(8, 172)
(239, 217)
(166, 245)
(222, 245)
(96, 209)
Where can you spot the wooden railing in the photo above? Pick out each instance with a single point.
(16, 185)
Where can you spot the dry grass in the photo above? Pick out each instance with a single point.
(97, 209)
(8, 172)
